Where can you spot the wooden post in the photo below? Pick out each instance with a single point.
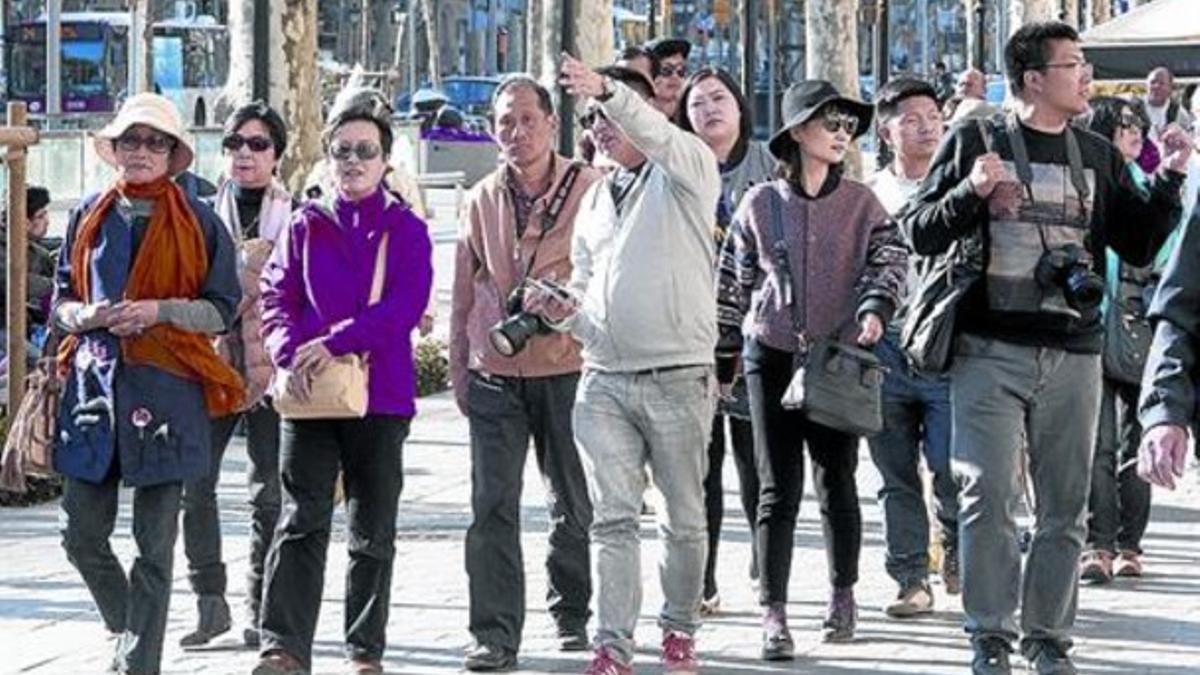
(16, 137)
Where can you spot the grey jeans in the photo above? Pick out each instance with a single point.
(624, 421)
(1002, 393)
(135, 605)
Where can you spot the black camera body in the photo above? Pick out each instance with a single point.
(1069, 268)
(511, 334)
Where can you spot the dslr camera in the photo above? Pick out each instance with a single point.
(511, 334)
(1069, 268)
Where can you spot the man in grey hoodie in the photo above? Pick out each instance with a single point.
(643, 307)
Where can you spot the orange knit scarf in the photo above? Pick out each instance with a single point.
(172, 262)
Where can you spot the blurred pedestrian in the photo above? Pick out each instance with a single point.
(714, 109)
(147, 275)
(815, 224)
(255, 208)
(315, 293)
(516, 380)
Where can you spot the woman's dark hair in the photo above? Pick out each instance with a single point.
(365, 105)
(745, 128)
(1106, 115)
(1029, 49)
(789, 165)
(259, 110)
(633, 52)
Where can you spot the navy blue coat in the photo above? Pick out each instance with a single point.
(153, 424)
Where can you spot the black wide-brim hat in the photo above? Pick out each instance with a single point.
(668, 46)
(803, 100)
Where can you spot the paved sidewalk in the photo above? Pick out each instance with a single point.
(48, 625)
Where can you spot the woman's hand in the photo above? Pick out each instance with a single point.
(132, 317)
(311, 358)
(870, 330)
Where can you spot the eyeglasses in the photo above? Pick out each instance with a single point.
(364, 150)
(833, 121)
(1074, 66)
(667, 71)
(234, 142)
(158, 144)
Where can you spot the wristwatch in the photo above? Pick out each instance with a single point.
(606, 89)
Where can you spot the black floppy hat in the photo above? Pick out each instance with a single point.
(803, 100)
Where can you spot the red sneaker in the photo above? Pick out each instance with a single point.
(604, 663)
(1096, 566)
(679, 654)
(1128, 564)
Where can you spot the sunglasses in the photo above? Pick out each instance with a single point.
(588, 119)
(833, 121)
(364, 150)
(235, 142)
(667, 71)
(158, 144)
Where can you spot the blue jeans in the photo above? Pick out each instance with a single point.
(916, 421)
(624, 422)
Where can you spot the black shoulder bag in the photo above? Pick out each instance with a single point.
(833, 384)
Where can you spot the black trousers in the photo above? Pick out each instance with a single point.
(504, 414)
(742, 441)
(780, 436)
(201, 515)
(1119, 504)
(368, 453)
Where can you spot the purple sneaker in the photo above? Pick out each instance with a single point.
(842, 617)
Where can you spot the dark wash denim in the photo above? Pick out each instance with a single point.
(916, 422)
(504, 413)
(742, 441)
(368, 453)
(201, 515)
(780, 438)
(134, 606)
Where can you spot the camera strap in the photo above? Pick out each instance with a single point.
(1016, 141)
(550, 215)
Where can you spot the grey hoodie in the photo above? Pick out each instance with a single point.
(645, 275)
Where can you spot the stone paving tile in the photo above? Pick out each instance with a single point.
(48, 625)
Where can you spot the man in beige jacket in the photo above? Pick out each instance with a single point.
(518, 223)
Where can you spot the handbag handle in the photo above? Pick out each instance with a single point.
(381, 256)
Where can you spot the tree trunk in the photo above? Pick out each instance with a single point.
(1101, 11)
(831, 52)
(1071, 12)
(1021, 12)
(533, 39)
(239, 87)
(431, 36)
(593, 31)
(293, 75)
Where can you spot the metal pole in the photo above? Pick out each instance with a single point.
(748, 27)
(652, 30)
(414, 77)
(980, 47)
(17, 279)
(53, 59)
(566, 112)
(365, 25)
(881, 56)
(772, 57)
(261, 79)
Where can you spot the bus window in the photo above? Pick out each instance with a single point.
(83, 68)
(27, 77)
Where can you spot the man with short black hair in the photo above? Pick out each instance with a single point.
(672, 54)
(1161, 106)
(517, 228)
(916, 405)
(643, 304)
(1025, 207)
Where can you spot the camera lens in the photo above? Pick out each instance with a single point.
(1084, 289)
(510, 335)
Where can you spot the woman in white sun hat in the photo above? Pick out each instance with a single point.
(146, 277)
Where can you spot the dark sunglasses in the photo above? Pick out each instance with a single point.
(234, 142)
(158, 144)
(588, 119)
(832, 121)
(364, 150)
(667, 71)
